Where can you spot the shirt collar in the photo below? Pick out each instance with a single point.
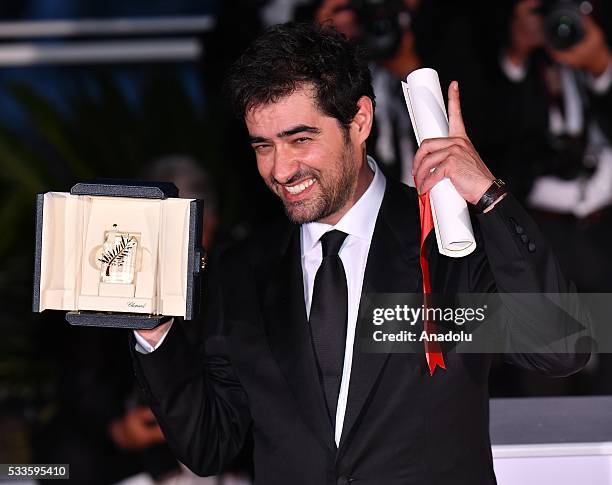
(360, 219)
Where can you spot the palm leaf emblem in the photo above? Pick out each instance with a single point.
(117, 254)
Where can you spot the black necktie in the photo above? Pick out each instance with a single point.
(328, 316)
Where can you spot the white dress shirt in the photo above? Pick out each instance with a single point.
(359, 224)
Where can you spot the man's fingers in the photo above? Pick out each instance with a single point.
(455, 118)
(431, 145)
(568, 56)
(433, 178)
(431, 161)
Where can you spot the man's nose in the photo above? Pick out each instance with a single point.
(285, 166)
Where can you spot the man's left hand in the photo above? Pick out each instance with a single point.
(454, 157)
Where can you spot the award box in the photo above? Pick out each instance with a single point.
(118, 254)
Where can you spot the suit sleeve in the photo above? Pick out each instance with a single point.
(195, 393)
(518, 262)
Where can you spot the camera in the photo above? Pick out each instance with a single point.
(381, 24)
(563, 22)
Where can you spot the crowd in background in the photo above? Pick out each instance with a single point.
(537, 103)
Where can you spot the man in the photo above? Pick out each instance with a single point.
(281, 310)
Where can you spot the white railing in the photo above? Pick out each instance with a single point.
(103, 51)
(112, 51)
(118, 26)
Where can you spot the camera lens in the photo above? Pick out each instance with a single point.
(564, 26)
(380, 26)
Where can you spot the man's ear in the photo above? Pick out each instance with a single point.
(361, 126)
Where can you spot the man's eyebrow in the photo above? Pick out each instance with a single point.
(299, 129)
(286, 133)
(258, 139)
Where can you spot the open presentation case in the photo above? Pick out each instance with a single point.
(118, 254)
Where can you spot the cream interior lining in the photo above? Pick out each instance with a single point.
(73, 233)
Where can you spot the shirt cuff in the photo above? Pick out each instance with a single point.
(601, 83)
(144, 347)
(513, 72)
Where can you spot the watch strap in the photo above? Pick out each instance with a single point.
(494, 192)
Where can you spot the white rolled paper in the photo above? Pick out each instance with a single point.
(425, 103)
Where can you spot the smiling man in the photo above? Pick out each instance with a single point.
(307, 158)
(280, 359)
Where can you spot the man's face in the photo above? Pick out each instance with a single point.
(304, 157)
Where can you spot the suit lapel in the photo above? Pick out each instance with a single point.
(288, 334)
(392, 267)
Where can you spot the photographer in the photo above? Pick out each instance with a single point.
(551, 126)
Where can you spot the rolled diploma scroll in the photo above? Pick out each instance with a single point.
(451, 217)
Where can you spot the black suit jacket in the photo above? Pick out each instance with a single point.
(257, 374)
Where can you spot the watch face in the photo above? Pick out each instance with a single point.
(118, 257)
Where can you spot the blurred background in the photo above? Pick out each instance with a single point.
(134, 90)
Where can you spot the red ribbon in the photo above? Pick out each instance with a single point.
(432, 349)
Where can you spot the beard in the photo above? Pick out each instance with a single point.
(334, 189)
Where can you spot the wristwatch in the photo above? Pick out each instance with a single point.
(494, 192)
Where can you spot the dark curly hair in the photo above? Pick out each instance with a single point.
(289, 56)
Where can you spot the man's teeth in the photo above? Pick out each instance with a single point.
(296, 189)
